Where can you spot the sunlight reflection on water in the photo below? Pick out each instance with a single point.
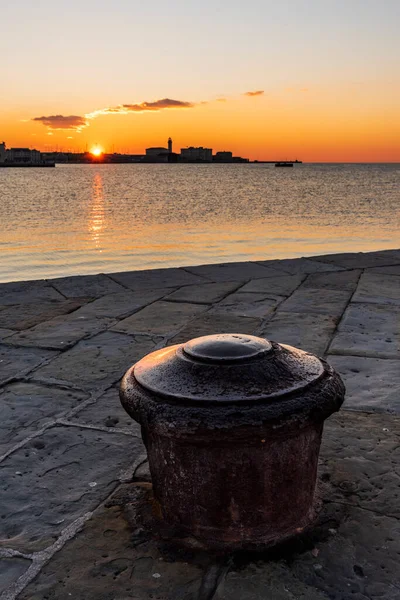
(96, 211)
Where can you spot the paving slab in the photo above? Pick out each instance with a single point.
(249, 304)
(371, 318)
(16, 362)
(366, 344)
(378, 288)
(361, 260)
(26, 407)
(300, 265)
(360, 453)
(339, 280)
(113, 567)
(25, 292)
(98, 362)
(280, 286)
(120, 305)
(372, 384)
(160, 318)
(239, 271)
(156, 278)
(206, 293)
(317, 301)
(61, 332)
(368, 330)
(142, 472)
(356, 560)
(11, 569)
(106, 411)
(24, 316)
(394, 270)
(5, 333)
(86, 285)
(210, 323)
(265, 580)
(56, 478)
(394, 254)
(310, 332)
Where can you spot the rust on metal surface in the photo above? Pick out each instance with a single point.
(232, 425)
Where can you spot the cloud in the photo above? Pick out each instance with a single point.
(77, 123)
(158, 105)
(63, 122)
(221, 100)
(256, 93)
(124, 109)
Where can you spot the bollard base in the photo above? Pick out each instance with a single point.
(144, 516)
(255, 543)
(209, 539)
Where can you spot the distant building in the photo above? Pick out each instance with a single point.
(122, 158)
(169, 145)
(23, 156)
(87, 157)
(3, 152)
(196, 154)
(62, 157)
(156, 151)
(223, 156)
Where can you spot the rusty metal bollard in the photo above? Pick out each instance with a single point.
(232, 425)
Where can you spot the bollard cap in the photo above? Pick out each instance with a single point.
(227, 381)
(226, 348)
(226, 368)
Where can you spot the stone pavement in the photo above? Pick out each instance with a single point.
(73, 467)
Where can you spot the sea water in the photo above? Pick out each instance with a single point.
(80, 219)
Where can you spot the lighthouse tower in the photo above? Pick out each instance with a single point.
(169, 145)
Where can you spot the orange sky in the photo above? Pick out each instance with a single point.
(328, 78)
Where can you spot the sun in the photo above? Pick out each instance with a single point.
(96, 151)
